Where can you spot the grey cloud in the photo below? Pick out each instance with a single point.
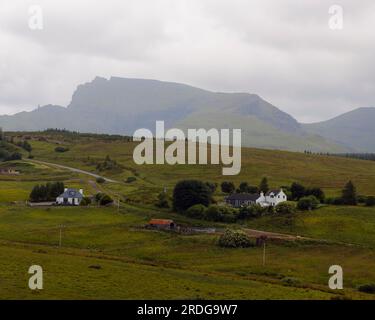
(281, 50)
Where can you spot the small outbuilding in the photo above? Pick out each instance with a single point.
(164, 224)
(8, 171)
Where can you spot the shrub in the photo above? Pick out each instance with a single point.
(228, 187)
(103, 199)
(26, 146)
(252, 211)
(198, 211)
(361, 199)
(221, 214)
(370, 201)
(100, 180)
(308, 203)
(108, 164)
(13, 156)
(289, 281)
(163, 201)
(85, 201)
(235, 239)
(367, 288)
(61, 149)
(190, 192)
(338, 201)
(212, 186)
(285, 208)
(130, 179)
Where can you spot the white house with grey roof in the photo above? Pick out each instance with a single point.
(271, 198)
(70, 197)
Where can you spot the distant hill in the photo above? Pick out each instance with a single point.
(121, 106)
(354, 129)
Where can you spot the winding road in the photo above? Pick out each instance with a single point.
(73, 170)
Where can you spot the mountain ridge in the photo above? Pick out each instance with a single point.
(354, 129)
(123, 105)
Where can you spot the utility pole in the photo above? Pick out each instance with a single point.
(60, 238)
(264, 253)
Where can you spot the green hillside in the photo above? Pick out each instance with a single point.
(106, 252)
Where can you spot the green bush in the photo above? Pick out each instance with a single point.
(227, 187)
(85, 201)
(100, 180)
(103, 199)
(361, 199)
(285, 208)
(367, 288)
(61, 149)
(235, 239)
(252, 211)
(221, 214)
(289, 281)
(130, 179)
(334, 201)
(308, 203)
(370, 201)
(163, 200)
(197, 211)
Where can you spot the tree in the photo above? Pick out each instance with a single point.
(243, 188)
(316, 192)
(228, 187)
(263, 186)
(297, 190)
(246, 188)
(308, 203)
(190, 192)
(349, 194)
(47, 192)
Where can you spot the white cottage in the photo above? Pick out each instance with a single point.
(70, 197)
(271, 198)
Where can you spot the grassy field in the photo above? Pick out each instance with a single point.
(106, 252)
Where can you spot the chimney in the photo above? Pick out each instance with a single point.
(66, 189)
(262, 194)
(81, 191)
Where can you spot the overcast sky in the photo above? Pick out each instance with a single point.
(282, 50)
